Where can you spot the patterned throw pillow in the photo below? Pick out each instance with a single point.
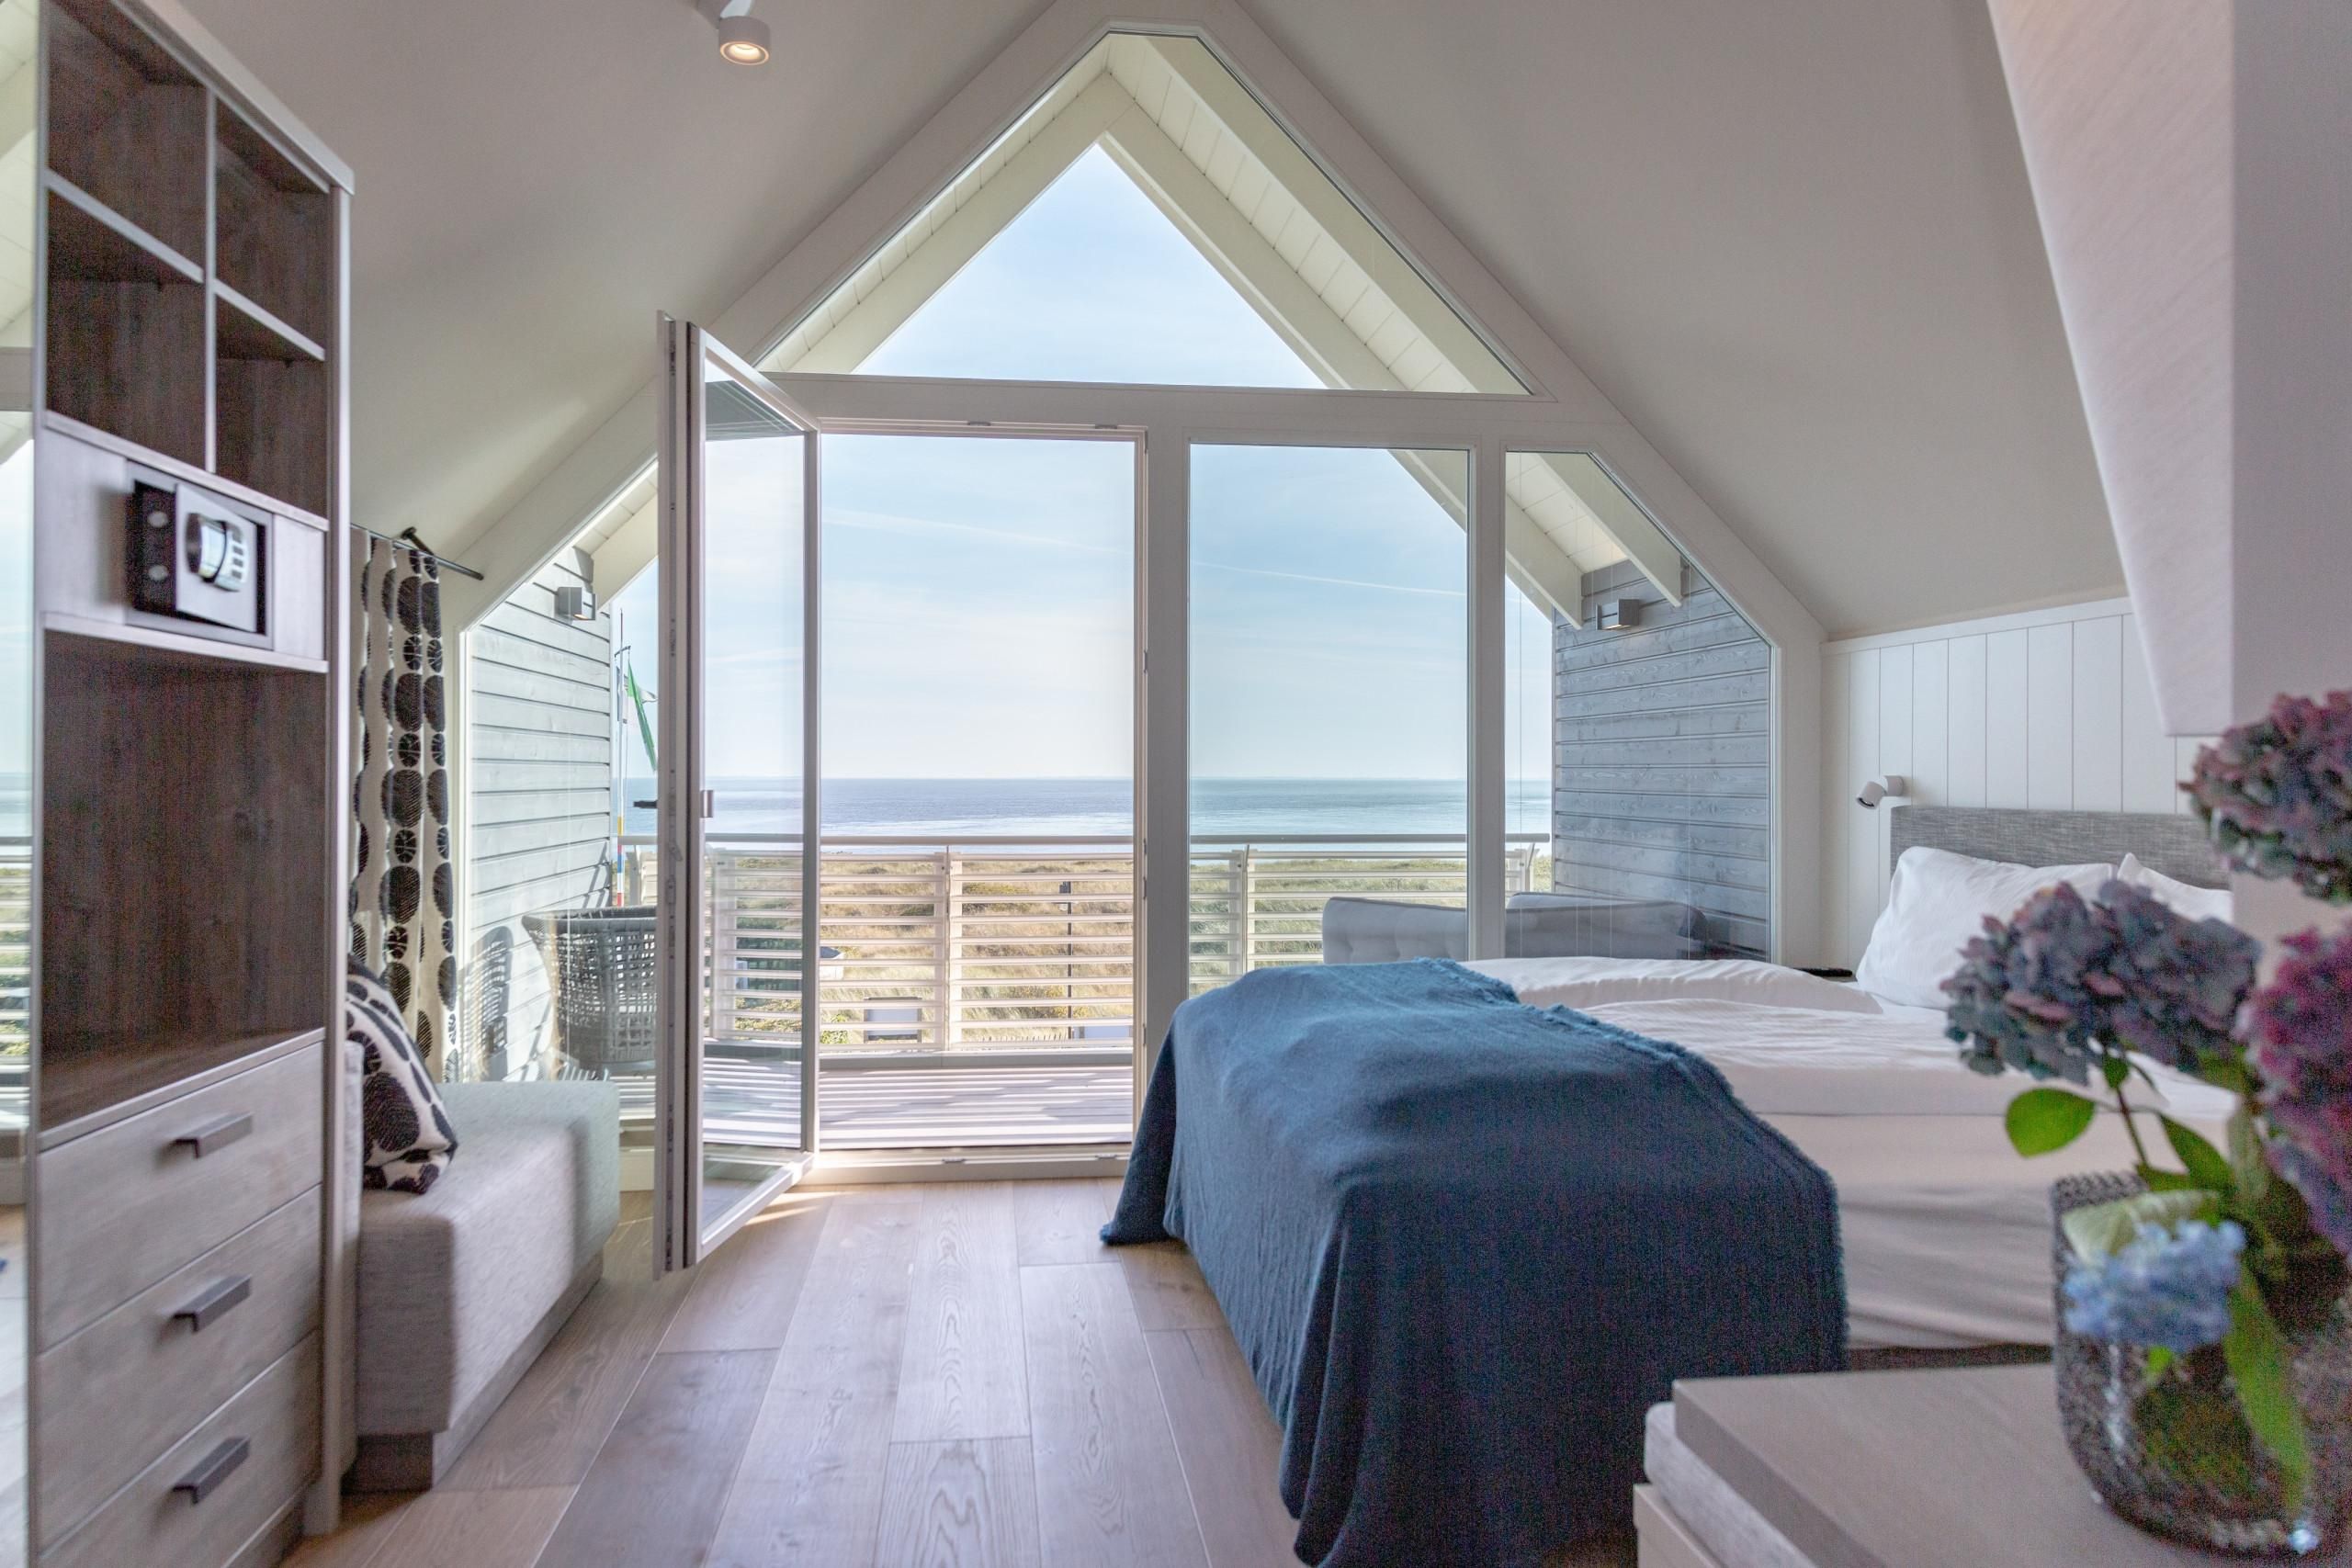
(407, 1133)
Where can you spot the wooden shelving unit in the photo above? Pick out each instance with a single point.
(274, 293)
(192, 266)
(167, 851)
(193, 783)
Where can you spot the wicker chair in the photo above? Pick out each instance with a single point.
(602, 965)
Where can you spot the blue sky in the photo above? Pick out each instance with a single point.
(978, 592)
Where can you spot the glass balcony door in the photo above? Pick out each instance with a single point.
(735, 1089)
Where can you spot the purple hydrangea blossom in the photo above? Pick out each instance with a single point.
(2301, 1026)
(2277, 793)
(2040, 992)
(2181, 981)
(2164, 1287)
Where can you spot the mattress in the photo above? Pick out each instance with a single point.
(1945, 1228)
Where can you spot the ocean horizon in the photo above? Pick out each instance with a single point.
(1084, 808)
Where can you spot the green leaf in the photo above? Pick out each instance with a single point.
(2199, 1158)
(2117, 1070)
(2099, 1230)
(2257, 1354)
(2167, 1181)
(2196, 1432)
(2248, 1161)
(2043, 1119)
(2160, 1360)
(2225, 1069)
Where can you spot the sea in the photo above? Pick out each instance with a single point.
(1088, 808)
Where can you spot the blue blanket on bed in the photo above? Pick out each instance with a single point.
(1465, 1245)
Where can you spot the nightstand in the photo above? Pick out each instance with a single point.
(1944, 1469)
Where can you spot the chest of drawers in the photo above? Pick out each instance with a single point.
(176, 1366)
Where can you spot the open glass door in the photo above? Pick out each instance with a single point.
(735, 1100)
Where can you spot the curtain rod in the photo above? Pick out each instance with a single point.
(407, 539)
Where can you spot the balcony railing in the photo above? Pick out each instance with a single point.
(1019, 946)
(15, 979)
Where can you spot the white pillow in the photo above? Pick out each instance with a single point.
(1938, 902)
(2183, 899)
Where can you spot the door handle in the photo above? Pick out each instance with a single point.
(214, 1136)
(225, 1294)
(213, 1469)
(709, 804)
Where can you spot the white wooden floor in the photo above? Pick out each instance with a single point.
(950, 1376)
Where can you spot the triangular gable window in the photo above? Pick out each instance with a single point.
(1039, 262)
(1091, 283)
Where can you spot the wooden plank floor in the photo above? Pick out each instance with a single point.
(947, 1376)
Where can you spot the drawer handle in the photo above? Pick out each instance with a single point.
(215, 1468)
(214, 1136)
(224, 1294)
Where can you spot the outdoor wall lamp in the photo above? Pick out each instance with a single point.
(1895, 786)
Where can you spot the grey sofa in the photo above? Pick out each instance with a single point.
(1535, 925)
(462, 1287)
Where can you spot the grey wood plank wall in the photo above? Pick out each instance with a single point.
(1662, 756)
(540, 806)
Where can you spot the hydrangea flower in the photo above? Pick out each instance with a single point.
(2301, 1026)
(2182, 981)
(2164, 1287)
(2024, 996)
(2038, 992)
(2276, 795)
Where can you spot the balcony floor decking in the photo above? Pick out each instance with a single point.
(757, 1102)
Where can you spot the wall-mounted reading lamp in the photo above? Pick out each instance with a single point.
(1895, 786)
(742, 37)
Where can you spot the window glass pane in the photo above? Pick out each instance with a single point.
(1147, 222)
(979, 791)
(1637, 734)
(1329, 703)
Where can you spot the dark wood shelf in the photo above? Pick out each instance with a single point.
(86, 1077)
(275, 230)
(243, 330)
(90, 240)
(127, 124)
(184, 835)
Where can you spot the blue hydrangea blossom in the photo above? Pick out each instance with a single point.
(2168, 1287)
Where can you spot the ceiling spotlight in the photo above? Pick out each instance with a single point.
(742, 37)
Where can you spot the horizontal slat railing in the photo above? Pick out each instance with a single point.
(990, 946)
(16, 978)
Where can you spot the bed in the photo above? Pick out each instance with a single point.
(1459, 1328)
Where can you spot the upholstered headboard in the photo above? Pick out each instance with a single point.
(2173, 845)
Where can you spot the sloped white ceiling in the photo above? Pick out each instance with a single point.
(537, 177)
(1793, 242)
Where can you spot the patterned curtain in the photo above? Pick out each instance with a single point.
(403, 904)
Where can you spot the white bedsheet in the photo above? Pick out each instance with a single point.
(1587, 982)
(1945, 1228)
(1784, 1061)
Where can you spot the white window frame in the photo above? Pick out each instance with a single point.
(1561, 412)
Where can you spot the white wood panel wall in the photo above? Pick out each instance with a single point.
(538, 806)
(2050, 709)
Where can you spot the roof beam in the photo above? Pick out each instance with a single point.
(628, 550)
(1641, 539)
(1221, 94)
